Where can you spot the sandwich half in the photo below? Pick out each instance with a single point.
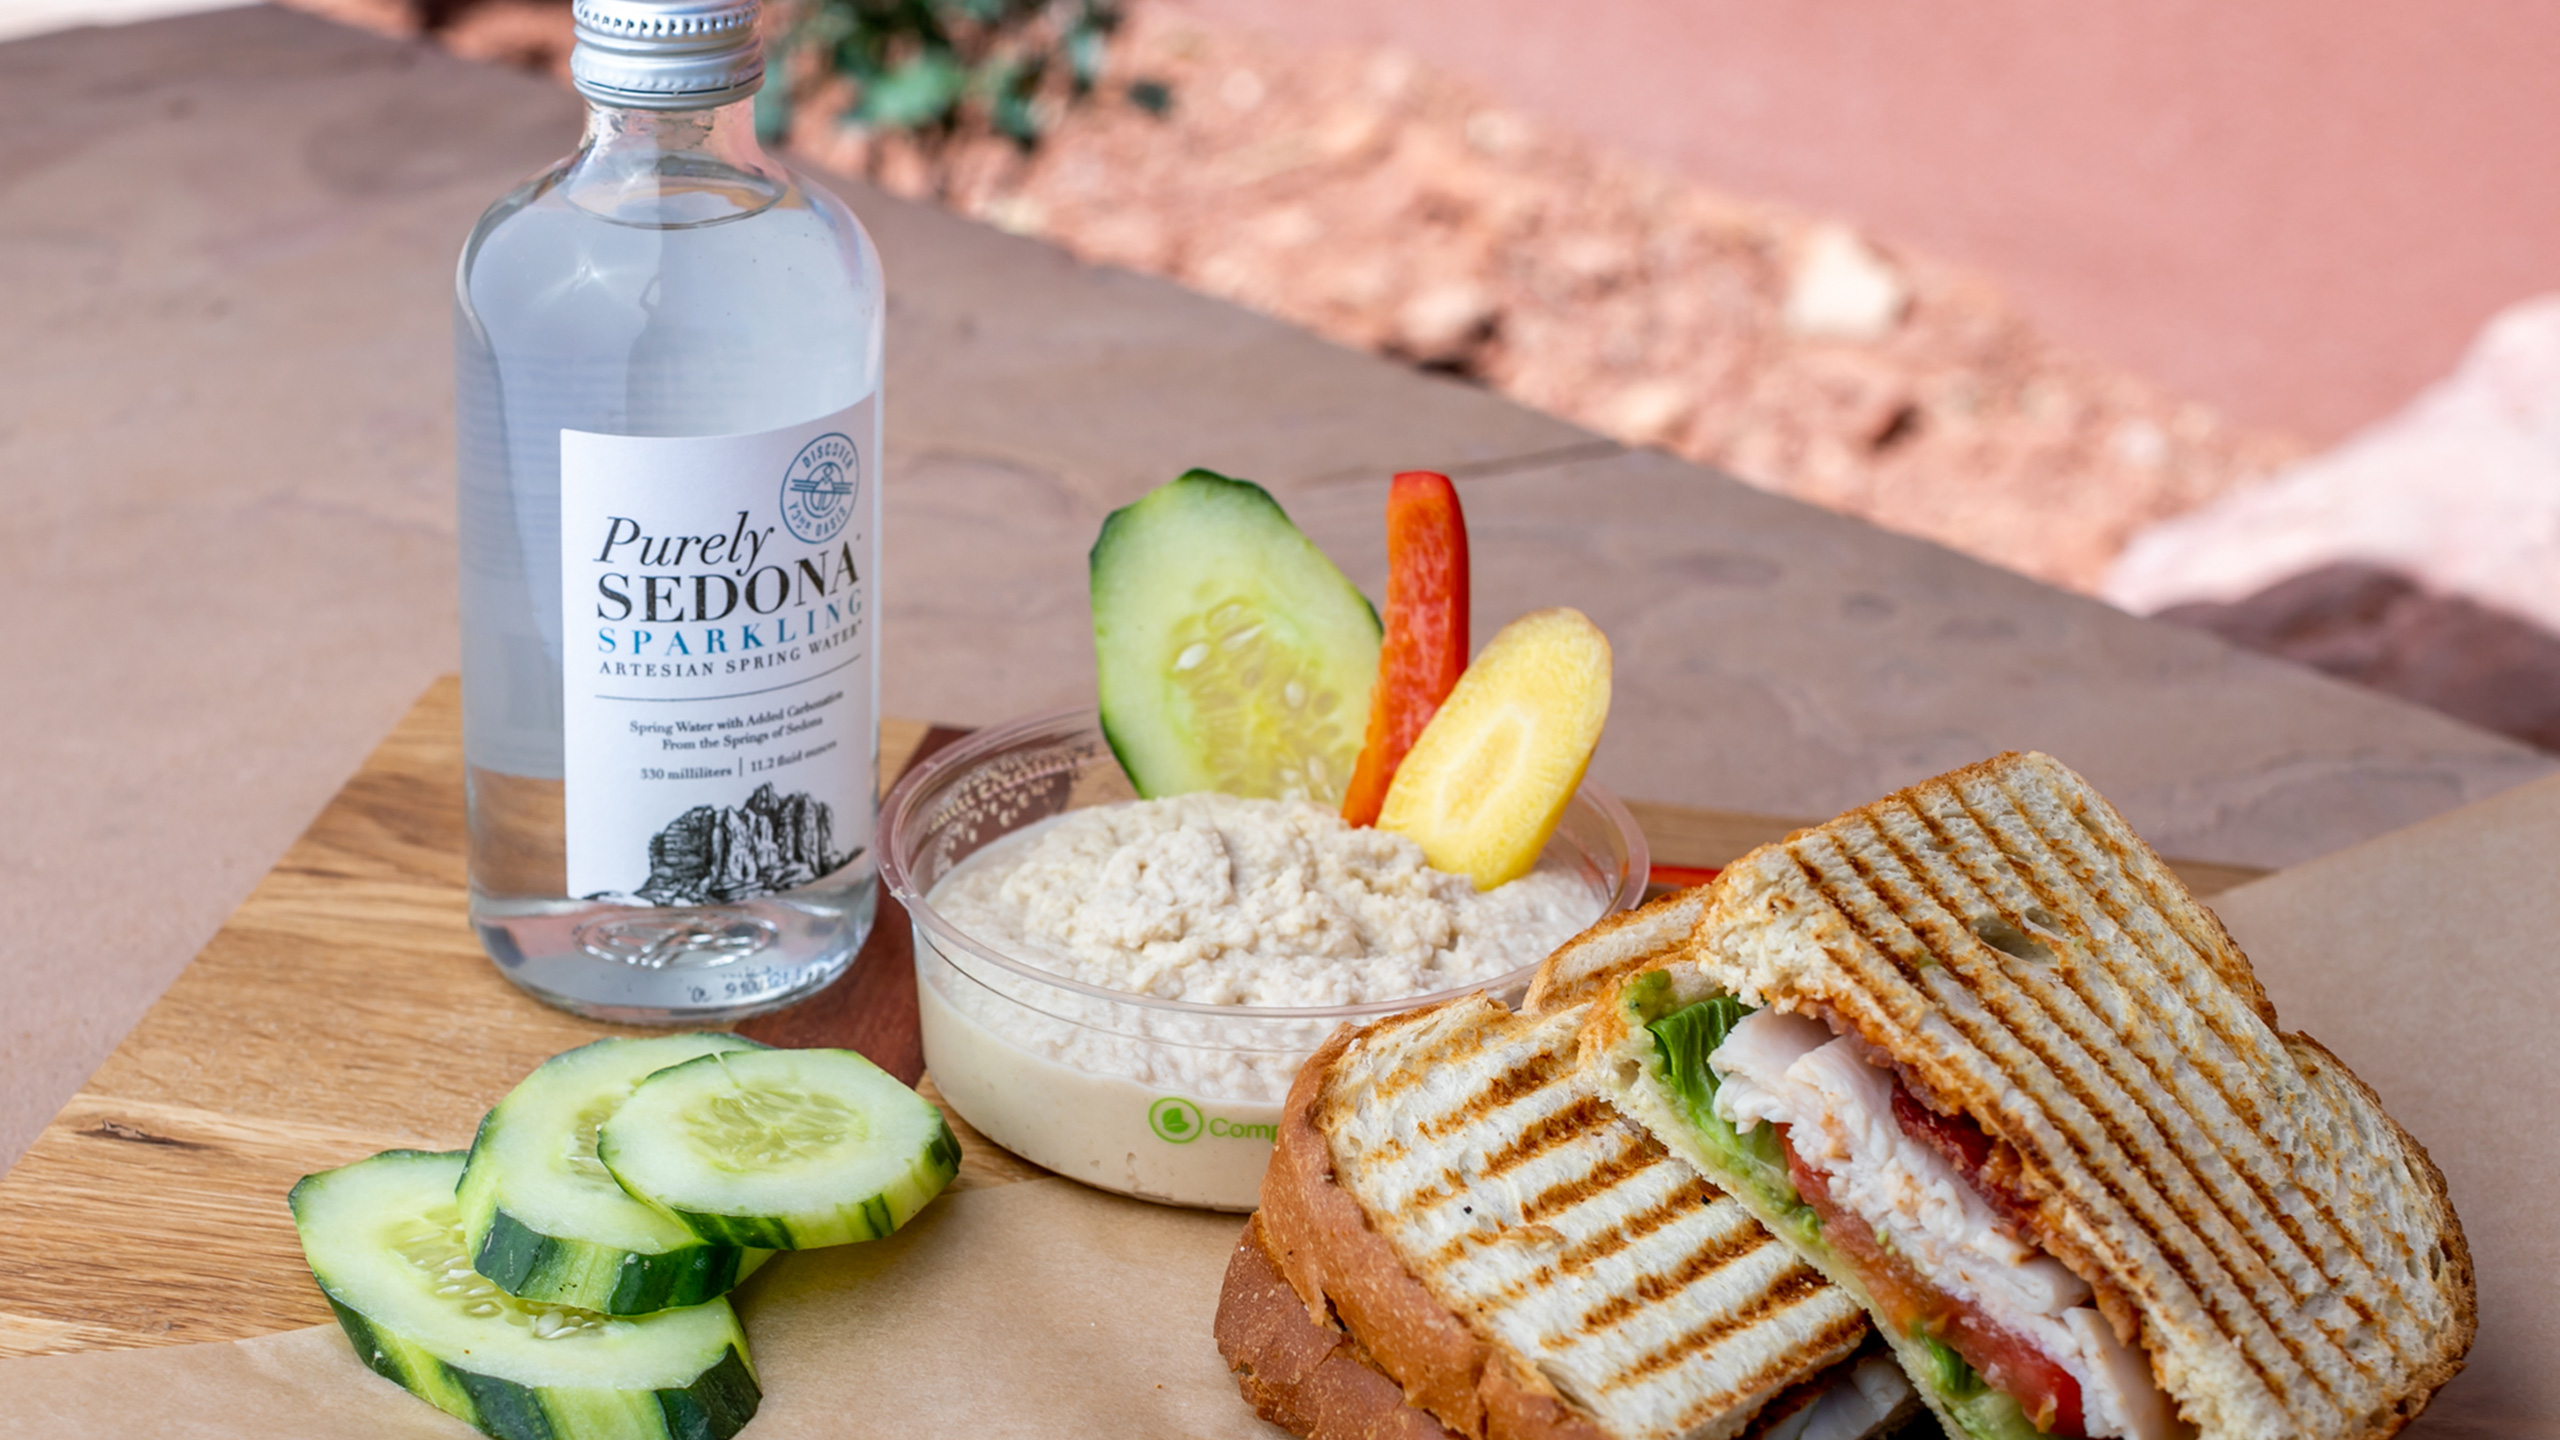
(1975, 1053)
(1459, 1236)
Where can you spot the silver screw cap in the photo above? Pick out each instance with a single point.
(666, 54)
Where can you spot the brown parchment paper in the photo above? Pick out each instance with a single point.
(1039, 1308)
(2429, 960)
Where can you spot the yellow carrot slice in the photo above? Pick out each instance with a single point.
(1488, 778)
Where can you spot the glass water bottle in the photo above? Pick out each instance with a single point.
(667, 357)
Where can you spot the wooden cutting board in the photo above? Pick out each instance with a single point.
(345, 1008)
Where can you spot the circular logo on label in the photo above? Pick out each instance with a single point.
(1175, 1120)
(819, 489)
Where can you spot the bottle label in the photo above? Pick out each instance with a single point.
(717, 689)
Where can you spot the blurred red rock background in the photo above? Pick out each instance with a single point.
(2056, 286)
(2297, 211)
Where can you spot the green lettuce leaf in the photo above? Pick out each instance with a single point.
(1683, 1038)
(1682, 1041)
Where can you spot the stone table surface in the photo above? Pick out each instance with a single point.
(226, 555)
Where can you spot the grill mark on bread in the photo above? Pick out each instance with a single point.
(1812, 877)
(2261, 1170)
(1500, 1268)
(1518, 1289)
(1639, 1153)
(2102, 1058)
(2243, 1324)
(1653, 1287)
(1456, 1246)
(1394, 1082)
(1449, 1183)
(2241, 1106)
(2240, 1320)
(1531, 1074)
(1878, 943)
(2244, 1201)
(1776, 1371)
(1576, 1118)
(1799, 1284)
(1603, 1179)
(2168, 902)
(1694, 1193)
(2177, 963)
(2311, 1152)
(2397, 1339)
(1586, 1113)
(1403, 1072)
(2347, 1380)
(2196, 926)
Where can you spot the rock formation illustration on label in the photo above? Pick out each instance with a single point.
(715, 854)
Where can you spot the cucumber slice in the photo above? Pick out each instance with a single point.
(1231, 654)
(384, 1239)
(780, 1149)
(543, 1216)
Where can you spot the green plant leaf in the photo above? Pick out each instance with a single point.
(1017, 117)
(946, 64)
(1084, 48)
(915, 93)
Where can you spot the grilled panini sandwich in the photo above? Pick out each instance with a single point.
(1977, 1054)
(1458, 1236)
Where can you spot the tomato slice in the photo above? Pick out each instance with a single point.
(1425, 650)
(2007, 1361)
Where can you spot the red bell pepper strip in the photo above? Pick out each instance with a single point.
(1681, 877)
(1426, 621)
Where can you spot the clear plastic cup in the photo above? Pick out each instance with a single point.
(1166, 1100)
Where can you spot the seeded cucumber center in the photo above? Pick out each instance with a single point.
(1267, 723)
(432, 1245)
(581, 1158)
(745, 1131)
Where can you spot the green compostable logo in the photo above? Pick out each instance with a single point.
(1175, 1120)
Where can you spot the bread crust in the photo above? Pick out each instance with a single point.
(1310, 1379)
(1334, 1261)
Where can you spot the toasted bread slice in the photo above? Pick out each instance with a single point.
(1522, 1262)
(1314, 1380)
(2283, 1252)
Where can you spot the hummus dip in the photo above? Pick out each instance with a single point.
(1224, 901)
(1211, 901)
